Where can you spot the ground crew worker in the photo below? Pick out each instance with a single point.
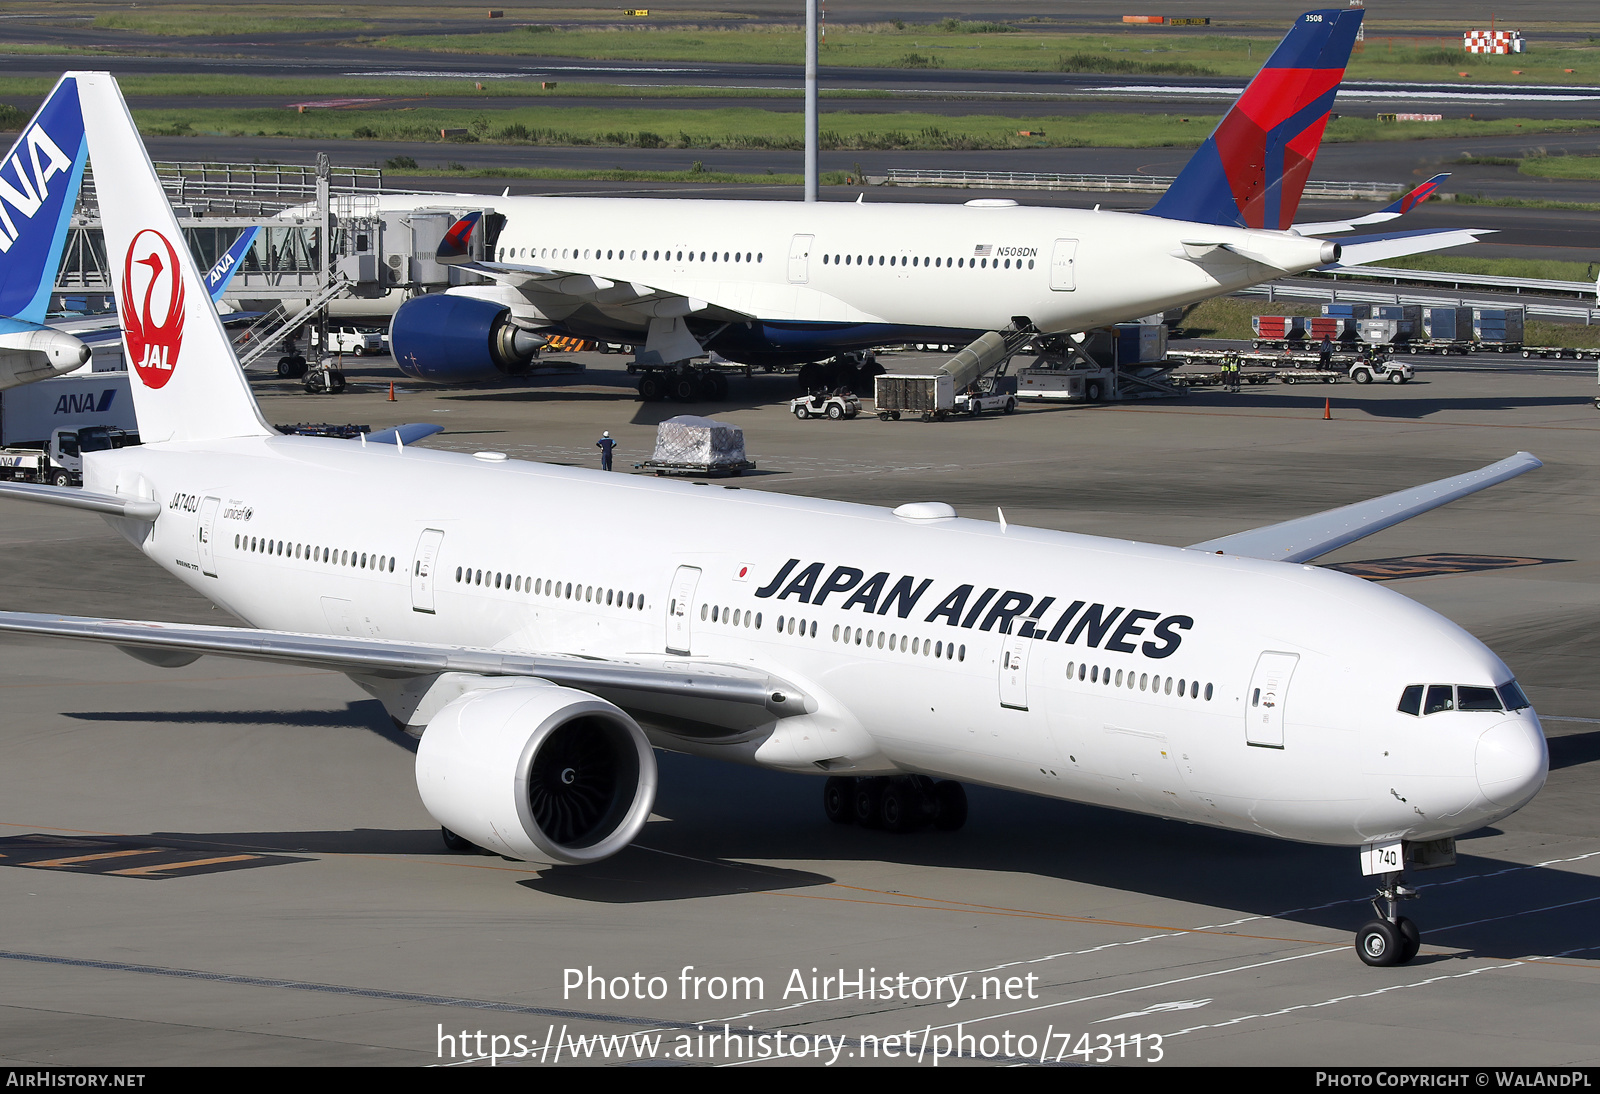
(605, 444)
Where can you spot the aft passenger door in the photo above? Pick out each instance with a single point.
(422, 570)
(800, 259)
(1264, 702)
(1063, 266)
(679, 604)
(205, 536)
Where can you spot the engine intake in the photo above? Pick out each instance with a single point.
(537, 772)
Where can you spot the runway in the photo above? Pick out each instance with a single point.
(228, 864)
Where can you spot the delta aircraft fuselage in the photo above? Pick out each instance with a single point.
(1232, 692)
(884, 268)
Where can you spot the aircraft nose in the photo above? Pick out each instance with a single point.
(1512, 761)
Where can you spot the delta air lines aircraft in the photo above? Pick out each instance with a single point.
(781, 283)
(1226, 684)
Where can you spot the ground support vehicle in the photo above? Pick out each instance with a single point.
(1381, 368)
(1440, 346)
(838, 405)
(354, 341)
(59, 461)
(1218, 378)
(988, 394)
(1308, 375)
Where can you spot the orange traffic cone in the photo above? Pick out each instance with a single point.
(391, 391)
(1327, 408)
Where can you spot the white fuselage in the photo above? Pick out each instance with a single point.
(1151, 708)
(948, 267)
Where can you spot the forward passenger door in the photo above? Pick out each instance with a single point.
(1264, 702)
(1063, 266)
(205, 534)
(800, 259)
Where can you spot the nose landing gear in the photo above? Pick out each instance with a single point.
(1391, 938)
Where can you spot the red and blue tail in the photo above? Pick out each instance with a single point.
(1251, 170)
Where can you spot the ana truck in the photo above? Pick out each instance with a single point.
(46, 427)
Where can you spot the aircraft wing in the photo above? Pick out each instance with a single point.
(1359, 250)
(652, 674)
(1306, 538)
(455, 250)
(1398, 208)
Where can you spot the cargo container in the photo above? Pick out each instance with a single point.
(1498, 329)
(1347, 311)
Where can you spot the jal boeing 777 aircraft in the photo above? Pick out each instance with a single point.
(1226, 684)
(780, 283)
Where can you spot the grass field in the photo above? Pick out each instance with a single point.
(753, 128)
(1562, 167)
(825, 178)
(1545, 269)
(1151, 51)
(1389, 53)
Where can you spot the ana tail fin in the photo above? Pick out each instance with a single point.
(1251, 170)
(187, 382)
(39, 181)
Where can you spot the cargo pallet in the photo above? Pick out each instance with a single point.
(709, 469)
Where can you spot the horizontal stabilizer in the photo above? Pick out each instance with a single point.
(112, 505)
(1360, 250)
(1395, 209)
(378, 657)
(1306, 538)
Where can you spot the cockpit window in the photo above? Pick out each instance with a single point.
(1511, 695)
(1420, 699)
(1440, 697)
(1477, 699)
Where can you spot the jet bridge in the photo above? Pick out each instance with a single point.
(373, 260)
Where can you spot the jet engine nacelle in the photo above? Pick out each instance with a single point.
(37, 353)
(449, 339)
(537, 772)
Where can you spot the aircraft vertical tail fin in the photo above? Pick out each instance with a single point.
(1250, 172)
(187, 382)
(39, 180)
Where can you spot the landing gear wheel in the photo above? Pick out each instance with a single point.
(839, 799)
(1410, 939)
(869, 802)
(950, 805)
(683, 389)
(719, 387)
(835, 411)
(455, 842)
(651, 389)
(335, 381)
(1379, 944)
(903, 806)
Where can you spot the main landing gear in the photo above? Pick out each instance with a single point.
(903, 803)
(1391, 938)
